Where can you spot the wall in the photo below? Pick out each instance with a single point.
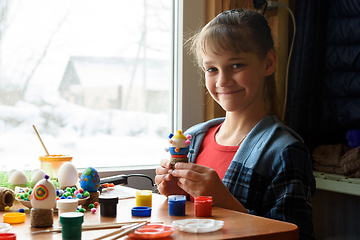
(336, 216)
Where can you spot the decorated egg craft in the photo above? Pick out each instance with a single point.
(90, 180)
(44, 194)
(68, 175)
(179, 148)
(179, 144)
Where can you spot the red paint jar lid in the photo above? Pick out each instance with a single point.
(203, 199)
(7, 236)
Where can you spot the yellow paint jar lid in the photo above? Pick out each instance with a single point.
(14, 217)
(144, 193)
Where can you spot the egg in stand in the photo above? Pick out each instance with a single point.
(42, 200)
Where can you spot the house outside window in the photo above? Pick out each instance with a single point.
(94, 77)
(105, 82)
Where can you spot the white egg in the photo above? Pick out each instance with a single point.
(37, 176)
(18, 178)
(67, 175)
(43, 195)
(34, 171)
(10, 172)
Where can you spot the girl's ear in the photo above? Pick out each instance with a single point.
(270, 62)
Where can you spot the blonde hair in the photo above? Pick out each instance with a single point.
(238, 30)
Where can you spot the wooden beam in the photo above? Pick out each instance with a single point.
(212, 109)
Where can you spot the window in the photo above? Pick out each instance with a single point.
(96, 79)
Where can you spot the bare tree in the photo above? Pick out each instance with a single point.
(38, 62)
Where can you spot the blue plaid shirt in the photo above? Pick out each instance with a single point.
(270, 174)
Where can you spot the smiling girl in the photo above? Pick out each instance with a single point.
(248, 161)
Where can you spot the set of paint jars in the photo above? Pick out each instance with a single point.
(202, 205)
(143, 204)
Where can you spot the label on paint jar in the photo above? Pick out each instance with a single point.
(144, 198)
(177, 205)
(203, 206)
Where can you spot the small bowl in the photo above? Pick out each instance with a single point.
(153, 231)
(28, 203)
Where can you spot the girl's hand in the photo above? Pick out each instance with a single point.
(166, 183)
(198, 180)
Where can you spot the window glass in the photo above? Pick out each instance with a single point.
(94, 77)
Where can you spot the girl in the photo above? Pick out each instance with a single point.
(248, 161)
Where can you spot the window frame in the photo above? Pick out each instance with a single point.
(188, 90)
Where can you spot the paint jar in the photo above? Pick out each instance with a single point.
(56, 161)
(7, 236)
(108, 206)
(177, 205)
(66, 205)
(143, 198)
(71, 225)
(203, 206)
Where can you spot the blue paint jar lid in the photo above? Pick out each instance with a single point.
(141, 211)
(177, 199)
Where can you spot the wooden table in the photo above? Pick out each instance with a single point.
(237, 225)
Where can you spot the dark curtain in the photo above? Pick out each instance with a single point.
(323, 93)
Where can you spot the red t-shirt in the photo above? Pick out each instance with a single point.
(214, 155)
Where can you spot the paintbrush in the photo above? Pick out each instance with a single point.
(90, 227)
(123, 231)
(128, 231)
(123, 228)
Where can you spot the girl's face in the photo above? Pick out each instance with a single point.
(236, 81)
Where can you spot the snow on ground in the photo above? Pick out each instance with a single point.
(108, 28)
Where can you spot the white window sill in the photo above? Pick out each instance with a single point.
(337, 183)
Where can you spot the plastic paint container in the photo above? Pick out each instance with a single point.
(108, 206)
(143, 198)
(56, 162)
(7, 236)
(71, 225)
(203, 206)
(141, 211)
(14, 217)
(177, 205)
(66, 205)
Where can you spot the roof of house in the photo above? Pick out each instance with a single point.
(95, 71)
